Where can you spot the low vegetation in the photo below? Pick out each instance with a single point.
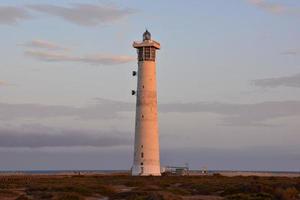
(118, 187)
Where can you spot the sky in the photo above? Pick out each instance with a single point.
(228, 76)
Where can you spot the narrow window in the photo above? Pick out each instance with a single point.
(142, 163)
(142, 155)
(140, 54)
(147, 53)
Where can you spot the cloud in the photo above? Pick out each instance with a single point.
(290, 52)
(17, 111)
(50, 56)
(43, 44)
(95, 59)
(12, 15)
(104, 109)
(80, 14)
(51, 53)
(85, 14)
(2, 82)
(106, 59)
(36, 136)
(259, 158)
(286, 81)
(240, 114)
(275, 8)
(231, 114)
(5, 83)
(247, 158)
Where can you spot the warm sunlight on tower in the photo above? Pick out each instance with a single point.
(146, 148)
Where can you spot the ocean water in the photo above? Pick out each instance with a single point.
(127, 171)
(63, 171)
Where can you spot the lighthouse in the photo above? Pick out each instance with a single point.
(146, 142)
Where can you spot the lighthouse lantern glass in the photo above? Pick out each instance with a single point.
(146, 54)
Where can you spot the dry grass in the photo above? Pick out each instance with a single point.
(117, 187)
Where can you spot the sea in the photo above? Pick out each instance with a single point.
(192, 172)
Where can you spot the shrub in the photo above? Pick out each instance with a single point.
(22, 197)
(258, 196)
(107, 190)
(286, 194)
(69, 196)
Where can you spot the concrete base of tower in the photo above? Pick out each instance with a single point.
(140, 170)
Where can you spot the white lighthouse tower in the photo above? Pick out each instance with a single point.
(146, 147)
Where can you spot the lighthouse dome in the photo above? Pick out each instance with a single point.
(146, 35)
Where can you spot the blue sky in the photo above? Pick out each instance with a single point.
(228, 83)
